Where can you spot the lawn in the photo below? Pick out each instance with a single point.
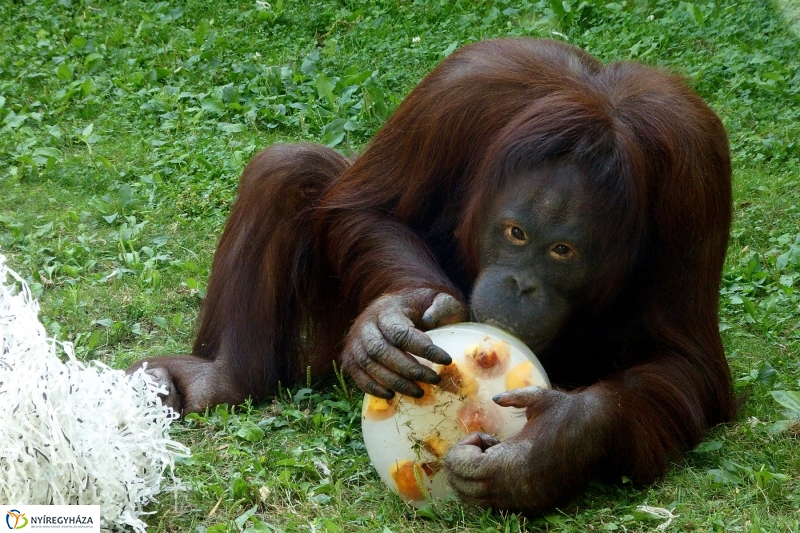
(124, 127)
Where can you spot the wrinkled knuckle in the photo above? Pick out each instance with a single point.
(370, 387)
(399, 335)
(350, 369)
(430, 352)
(401, 385)
(354, 359)
(365, 361)
(375, 348)
(418, 373)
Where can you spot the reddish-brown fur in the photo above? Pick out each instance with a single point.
(313, 240)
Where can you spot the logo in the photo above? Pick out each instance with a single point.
(16, 518)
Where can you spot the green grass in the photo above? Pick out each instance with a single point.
(123, 130)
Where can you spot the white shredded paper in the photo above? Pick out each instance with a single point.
(74, 432)
(659, 513)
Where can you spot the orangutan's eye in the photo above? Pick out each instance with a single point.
(516, 235)
(561, 252)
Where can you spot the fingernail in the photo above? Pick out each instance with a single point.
(498, 397)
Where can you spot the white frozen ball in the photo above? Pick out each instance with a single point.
(407, 438)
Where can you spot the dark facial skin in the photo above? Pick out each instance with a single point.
(536, 260)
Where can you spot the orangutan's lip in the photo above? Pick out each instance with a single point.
(535, 346)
